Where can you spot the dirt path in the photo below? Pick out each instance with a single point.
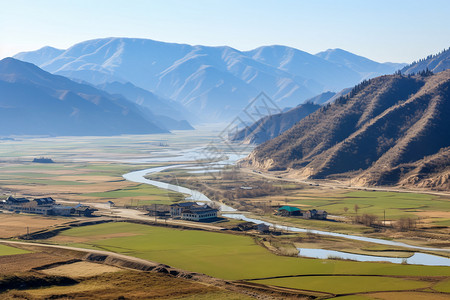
(87, 251)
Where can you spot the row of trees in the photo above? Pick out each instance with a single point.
(402, 224)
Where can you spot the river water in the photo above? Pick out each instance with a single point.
(230, 212)
(416, 259)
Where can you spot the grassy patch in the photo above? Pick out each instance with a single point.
(396, 205)
(321, 225)
(133, 191)
(347, 284)
(7, 250)
(443, 286)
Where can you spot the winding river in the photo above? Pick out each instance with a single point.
(229, 212)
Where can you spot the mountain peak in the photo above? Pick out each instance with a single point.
(11, 68)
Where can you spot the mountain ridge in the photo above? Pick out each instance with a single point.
(214, 82)
(35, 102)
(384, 132)
(434, 63)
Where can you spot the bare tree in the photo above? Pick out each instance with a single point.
(356, 208)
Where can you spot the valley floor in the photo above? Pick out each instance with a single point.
(89, 170)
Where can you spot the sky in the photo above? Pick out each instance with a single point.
(382, 30)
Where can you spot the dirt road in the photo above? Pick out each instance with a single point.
(87, 251)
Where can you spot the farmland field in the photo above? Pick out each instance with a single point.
(12, 225)
(91, 168)
(238, 257)
(93, 281)
(396, 205)
(346, 284)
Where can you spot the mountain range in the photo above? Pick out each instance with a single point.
(213, 83)
(390, 130)
(35, 102)
(158, 109)
(270, 127)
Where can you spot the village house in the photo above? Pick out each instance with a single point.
(191, 211)
(262, 228)
(83, 210)
(158, 210)
(61, 210)
(316, 214)
(14, 204)
(289, 211)
(246, 226)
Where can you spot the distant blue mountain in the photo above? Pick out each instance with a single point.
(35, 102)
(40, 56)
(365, 67)
(157, 108)
(214, 83)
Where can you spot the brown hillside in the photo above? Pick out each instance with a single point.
(390, 130)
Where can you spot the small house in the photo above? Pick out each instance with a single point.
(83, 210)
(289, 211)
(262, 228)
(245, 226)
(316, 214)
(15, 204)
(61, 210)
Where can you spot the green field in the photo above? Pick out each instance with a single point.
(346, 284)
(225, 255)
(443, 286)
(319, 224)
(396, 205)
(7, 250)
(154, 194)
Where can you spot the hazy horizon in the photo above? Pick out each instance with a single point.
(400, 31)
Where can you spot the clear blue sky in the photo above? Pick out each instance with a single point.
(383, 30)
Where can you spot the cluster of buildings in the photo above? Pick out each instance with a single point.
(289, 211)
(44, 206)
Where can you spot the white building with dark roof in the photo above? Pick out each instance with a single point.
(191, 211)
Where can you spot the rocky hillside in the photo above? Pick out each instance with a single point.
(391, 130)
